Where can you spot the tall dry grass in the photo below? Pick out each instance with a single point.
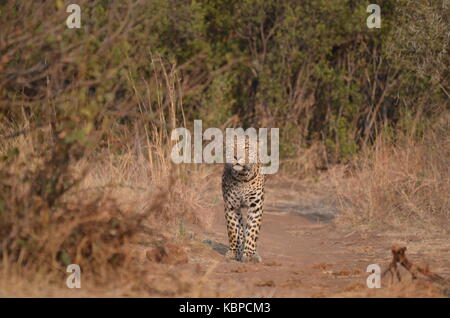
(92, 203)
(399, 184)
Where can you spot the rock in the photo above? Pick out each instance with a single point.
(168, 254)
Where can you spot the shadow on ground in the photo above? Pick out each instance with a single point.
(216, 246)
(312, 213)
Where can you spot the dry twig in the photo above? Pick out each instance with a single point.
(398, 256)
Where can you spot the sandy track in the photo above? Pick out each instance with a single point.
(306, 255)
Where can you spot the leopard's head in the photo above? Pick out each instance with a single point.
(245, 166)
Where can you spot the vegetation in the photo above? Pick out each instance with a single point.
(90, 110)
(314, 69)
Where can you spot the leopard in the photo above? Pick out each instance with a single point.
(243, 187)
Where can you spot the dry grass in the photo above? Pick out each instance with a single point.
(407, 183)
(405, 289)
(118, 206)
(86, 175)
(65, 202)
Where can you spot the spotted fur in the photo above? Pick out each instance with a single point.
(243, 187)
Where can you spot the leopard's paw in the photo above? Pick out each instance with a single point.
(231, 254)
(250, 258)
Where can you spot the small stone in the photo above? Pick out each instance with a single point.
(168, 254)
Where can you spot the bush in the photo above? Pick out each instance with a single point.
(398, 184)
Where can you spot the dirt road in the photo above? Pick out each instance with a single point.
(305, 254)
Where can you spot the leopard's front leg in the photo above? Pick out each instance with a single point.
(235, 231)
(253, 226)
